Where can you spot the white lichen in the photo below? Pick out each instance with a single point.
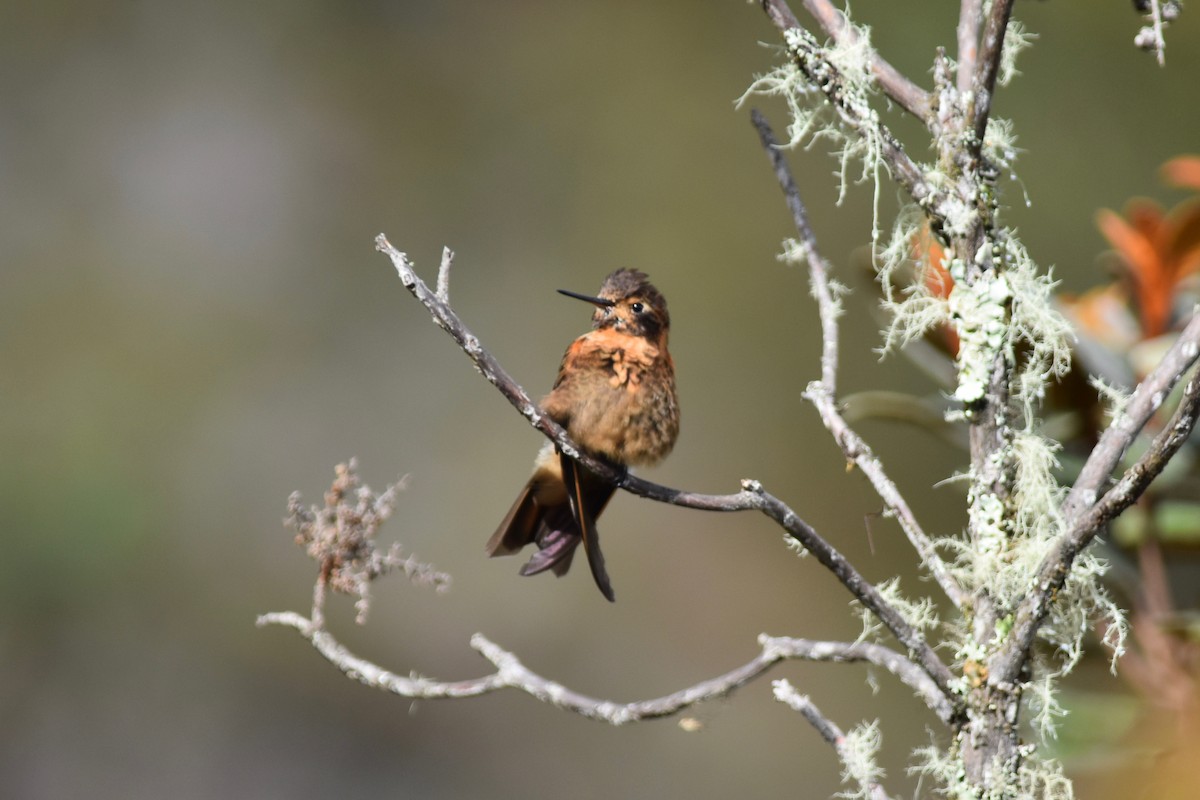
(913, 307)
(1112, 398)
(1041, 694)
(1037, 494)
(1000, 143)
(979, 311)
(860, 751)
(1016, 39)
(1038, 324)
(1033, 779)
(828, 90)
(921, 614)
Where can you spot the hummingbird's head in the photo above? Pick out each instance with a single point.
(628, 303)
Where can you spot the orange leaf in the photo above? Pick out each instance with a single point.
(1149, 274)
(1182, 171)
(1181, 246)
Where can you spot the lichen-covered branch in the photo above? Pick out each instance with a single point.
(846, 99)
(1157, 14)
(1088, 523)
(908, 95)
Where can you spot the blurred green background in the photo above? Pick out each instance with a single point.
(194, 323)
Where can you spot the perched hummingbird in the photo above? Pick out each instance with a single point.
(615, 395)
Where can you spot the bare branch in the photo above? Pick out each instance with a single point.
(970, 20)
(990, 51)
(752, 496)
(512, 674)
(908, 95)
(1138, 478)
(818, 267)
(822, 394)
(1057, 564)
(906, 671)
(830, 732)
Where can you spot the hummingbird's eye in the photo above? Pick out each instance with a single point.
(637, 308)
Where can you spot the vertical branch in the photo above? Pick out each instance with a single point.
(443, 278)
(989, 67)
(970, 17)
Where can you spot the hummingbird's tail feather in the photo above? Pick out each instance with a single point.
(583, 508)
(556, 510)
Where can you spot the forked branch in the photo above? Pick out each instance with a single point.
(1086, 524)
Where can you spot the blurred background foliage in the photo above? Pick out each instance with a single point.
(193, 323)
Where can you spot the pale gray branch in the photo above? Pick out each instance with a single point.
(512, 674)
(990, 49)
(970, 19)
(1145, 401)
(443, 281)
(1052, 573)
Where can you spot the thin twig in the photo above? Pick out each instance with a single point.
(752, 496)
(830, 732)
(818, 267)
(512, 674)
(823, 394)
(1151, 37)
(1052, 573)
(443, 281)
(909, 96)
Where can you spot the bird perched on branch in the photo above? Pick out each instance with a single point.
(615, 395)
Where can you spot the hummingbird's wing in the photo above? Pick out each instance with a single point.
(519, 525)
(586, 520)
(551, 527)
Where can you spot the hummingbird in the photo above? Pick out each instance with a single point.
(615, 396)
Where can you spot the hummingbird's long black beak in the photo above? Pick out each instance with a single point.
(596, 301)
